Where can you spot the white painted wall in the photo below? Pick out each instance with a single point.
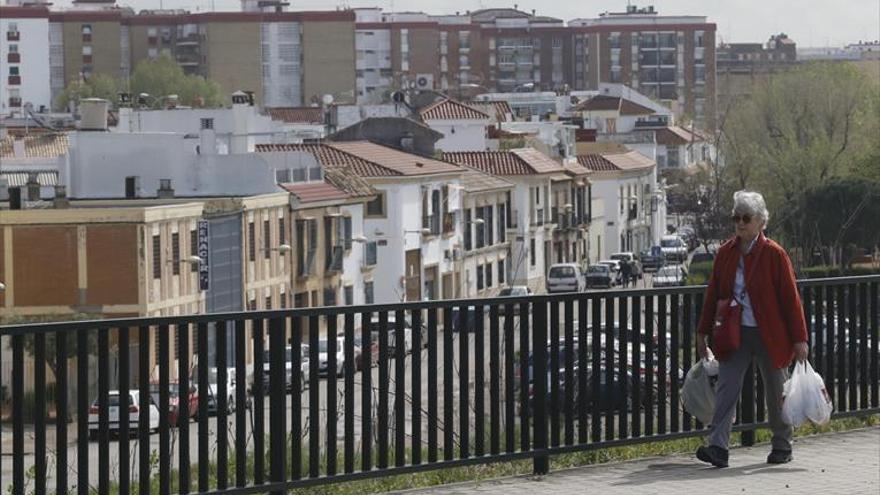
(100, 162)
(489, 254)
(460, 135)
(354, 258)
(644, 227)
(33, 47)
(282, 68)
(521, 271)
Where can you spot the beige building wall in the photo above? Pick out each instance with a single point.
(233, 56)
(105, 46)
(328, 61)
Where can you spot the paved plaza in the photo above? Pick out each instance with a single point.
(831, 464)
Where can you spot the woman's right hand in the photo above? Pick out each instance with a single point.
(702, 348)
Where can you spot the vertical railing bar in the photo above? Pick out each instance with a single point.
(314, 399)
(638, 368)
(852, 348)
(526, 377)
(649, 365)
(18, 415)
(164, 426)
(221, 332)
(278, 399)
(464, 330)
(382, 425)
(552, 345)
(259, 391)
(842, 329)
(609, 367)
(569, 371)
(663, 303)
(241, 408)
(479, 382)
(331, 394)
(830, 374)
(104, 411)
(40, 414)
(62, 414)
(686, 334)
(418, 345)
(183, 394)
(675, 337)
(144, 411)
(875, 345)
(82, 393)
(448, 425)
(400, 388)
(541, 463)
(583, 399)
(494, 383)
(350, 368)
(509, 380)
(296, 383)
(623, 368)
(204, 393)
(366, 394)
(432, 384)
(698, 305)
(595, 368)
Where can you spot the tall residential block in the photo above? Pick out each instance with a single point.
(24, 49)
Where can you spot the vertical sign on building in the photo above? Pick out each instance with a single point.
(204, 268)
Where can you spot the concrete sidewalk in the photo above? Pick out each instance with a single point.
(837, 463)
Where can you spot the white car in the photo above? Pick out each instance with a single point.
(565, 277)
(324, 357)
(673, 247)
(670, 276)
(134, 412)
(213, 389)
(391, 330)
(288, 359)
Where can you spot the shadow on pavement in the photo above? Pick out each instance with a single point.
(698, 470)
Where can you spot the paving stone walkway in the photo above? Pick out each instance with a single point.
(832, 464)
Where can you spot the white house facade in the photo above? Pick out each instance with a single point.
(24, 56)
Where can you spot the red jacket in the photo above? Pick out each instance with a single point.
(773, 293)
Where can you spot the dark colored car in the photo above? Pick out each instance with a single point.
(652, 259)
(599, 276)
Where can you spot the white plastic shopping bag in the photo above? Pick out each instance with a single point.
(698, 391)
(804, 397)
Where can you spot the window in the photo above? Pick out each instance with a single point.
(467, 230)
(157, 257)
(13, 70)
(282, 233)
(206, 124)
(376, 207)
(267, 244)
(370, 253)
(488, 275)
(86, 29)
(87, 50)
(252, 247)
(346, 232)
(479, 277)
(13, 48)
(175, 253)
(268, 302)
(368, 292)
(481, 228)
(330, 297)
(348, 295)
(193, 249)
(500, 272)
(532, 253)
(502, 222)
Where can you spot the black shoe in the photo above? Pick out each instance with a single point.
(714, 455)
(779, 456)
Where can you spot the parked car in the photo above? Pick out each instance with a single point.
(213, 390)
(513, 291)
(652, 259)
(635, 265)
(114, 404)
(565, 277)
(599, 276)
(324, 356)
(670, 276)
(288, 359)
(358, 348)
(674, 248)
(391, 329)
(174, 418)
(614, 265)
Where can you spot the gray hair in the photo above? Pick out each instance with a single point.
(751, 203)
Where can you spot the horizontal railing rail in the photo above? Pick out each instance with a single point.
(264, 401)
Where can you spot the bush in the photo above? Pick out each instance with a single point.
(824, 271)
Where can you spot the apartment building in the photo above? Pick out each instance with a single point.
(668, 58)
(741, 66)
(24, 50)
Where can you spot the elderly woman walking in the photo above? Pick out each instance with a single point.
(755, 274)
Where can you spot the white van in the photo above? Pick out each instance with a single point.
(565, 277)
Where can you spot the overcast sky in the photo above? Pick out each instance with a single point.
(808, 22)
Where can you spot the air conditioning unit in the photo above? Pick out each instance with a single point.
(424, 81)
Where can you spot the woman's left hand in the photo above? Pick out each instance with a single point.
(801, 351)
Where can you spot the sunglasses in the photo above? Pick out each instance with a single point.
(744, 218)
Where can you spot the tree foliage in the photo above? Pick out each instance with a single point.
(159, 78)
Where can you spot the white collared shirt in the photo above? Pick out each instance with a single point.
(740, 292)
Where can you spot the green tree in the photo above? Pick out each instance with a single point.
(162, 77)
(97, 86)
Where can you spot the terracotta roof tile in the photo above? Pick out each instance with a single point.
(498, 111)
(45, 145)
(476, 181)
(313, 192)
(672, 135)
(345, 180)
(451, 110)
(297, 115)
(523, 161)
(615, 162)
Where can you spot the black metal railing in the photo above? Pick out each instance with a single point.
(475, 381)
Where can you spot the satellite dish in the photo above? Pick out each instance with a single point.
(327, 99)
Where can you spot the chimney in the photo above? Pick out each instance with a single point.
(60, 200)
(33, 187)
(241, 110)
(18, 147)
(165, 190)
(132, 187)
(14, 198)
(93, 114)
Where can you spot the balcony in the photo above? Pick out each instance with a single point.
(13, 58)
(190, 39)
(14, 80)
(334, 260)
(13, 35)
(306, 265)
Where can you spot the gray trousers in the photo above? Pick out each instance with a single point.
(729, 387)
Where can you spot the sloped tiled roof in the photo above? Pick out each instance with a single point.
(343, 179)
(297, 115)
(39, 146)
(498, 110)
(313, 192)
(576, 169)
(476, 181)
(523, 161)
(613, 103)
(615, 162)
(672, 135)
(367, 159)
(451, 110)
